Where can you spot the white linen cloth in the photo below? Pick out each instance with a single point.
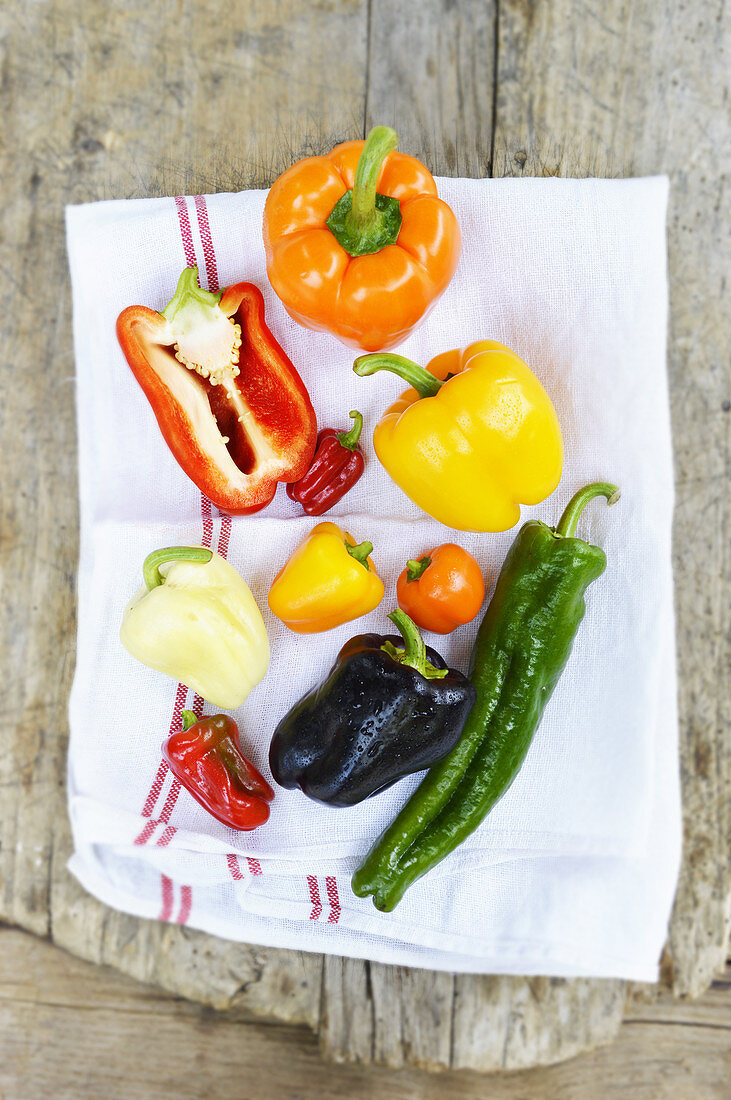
(574, 871)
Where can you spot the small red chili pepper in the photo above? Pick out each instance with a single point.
(337, 465)
(206, 759)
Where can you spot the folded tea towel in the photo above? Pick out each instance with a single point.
(574, 871)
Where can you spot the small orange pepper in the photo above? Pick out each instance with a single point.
(358, 243)
(442, 590)
(327, 581)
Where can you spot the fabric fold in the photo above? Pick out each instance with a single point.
(574, 871)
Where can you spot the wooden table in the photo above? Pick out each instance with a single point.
(149, 98)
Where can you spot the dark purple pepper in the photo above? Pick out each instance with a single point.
(389, 707)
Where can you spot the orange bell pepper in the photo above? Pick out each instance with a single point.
(357, 242)
(442, 590)
(327, 581)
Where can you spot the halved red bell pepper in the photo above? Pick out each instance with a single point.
(228, 401)
(204, 756)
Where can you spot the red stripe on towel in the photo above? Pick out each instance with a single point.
(170, 801)
(162, 771)
(167, 898)
(186, 902)
(154, 792)
(153, 796)
(314, 897)
(334, 900)
(147, 832)
(167, 836)
(225, 535)
(207, 523)
(208, 252)
(206, 518)
(233, 866)
(185, 231)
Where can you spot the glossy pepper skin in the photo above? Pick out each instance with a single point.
(475, 437)
(327, 581)
(196, 620)
(205, 757)
(230, 405)
(522, 646)
(441, 590)
(337, 465)
(358, 243)
(388, 708)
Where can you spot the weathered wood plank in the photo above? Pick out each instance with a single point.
(76, 1032)
(513, 1023)
(132, 102)
(634, 88)
(127, 102)
(431, 76)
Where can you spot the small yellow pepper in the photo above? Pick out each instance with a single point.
(327, 581)
(473, 439)
(196, 620)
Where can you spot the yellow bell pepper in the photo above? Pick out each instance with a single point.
(196, 620)
(327, 581)
(473, 439)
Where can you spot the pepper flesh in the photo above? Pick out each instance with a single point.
(389, 707)
(196, 620)
(229, 403)
(442, 590)
(337, 465)
(522, 646)
(363, 258)
(327, 581)
(206, 759)
(475, 438)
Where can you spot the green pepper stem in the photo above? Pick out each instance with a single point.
(360, 552)
(567, 524)
(189, 292)
(416, 569)
(414, 647)
(151, 565)
(189, 718)
(425, 384)
(414, 651)
(349, 439)
(380, 141)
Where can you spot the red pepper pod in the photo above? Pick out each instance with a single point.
(230, 404)
(204, 756)
(337, 465)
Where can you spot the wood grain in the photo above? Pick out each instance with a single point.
(74, 1031)
(634, 89)
(127, 101)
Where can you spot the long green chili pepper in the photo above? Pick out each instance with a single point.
(522, 646)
